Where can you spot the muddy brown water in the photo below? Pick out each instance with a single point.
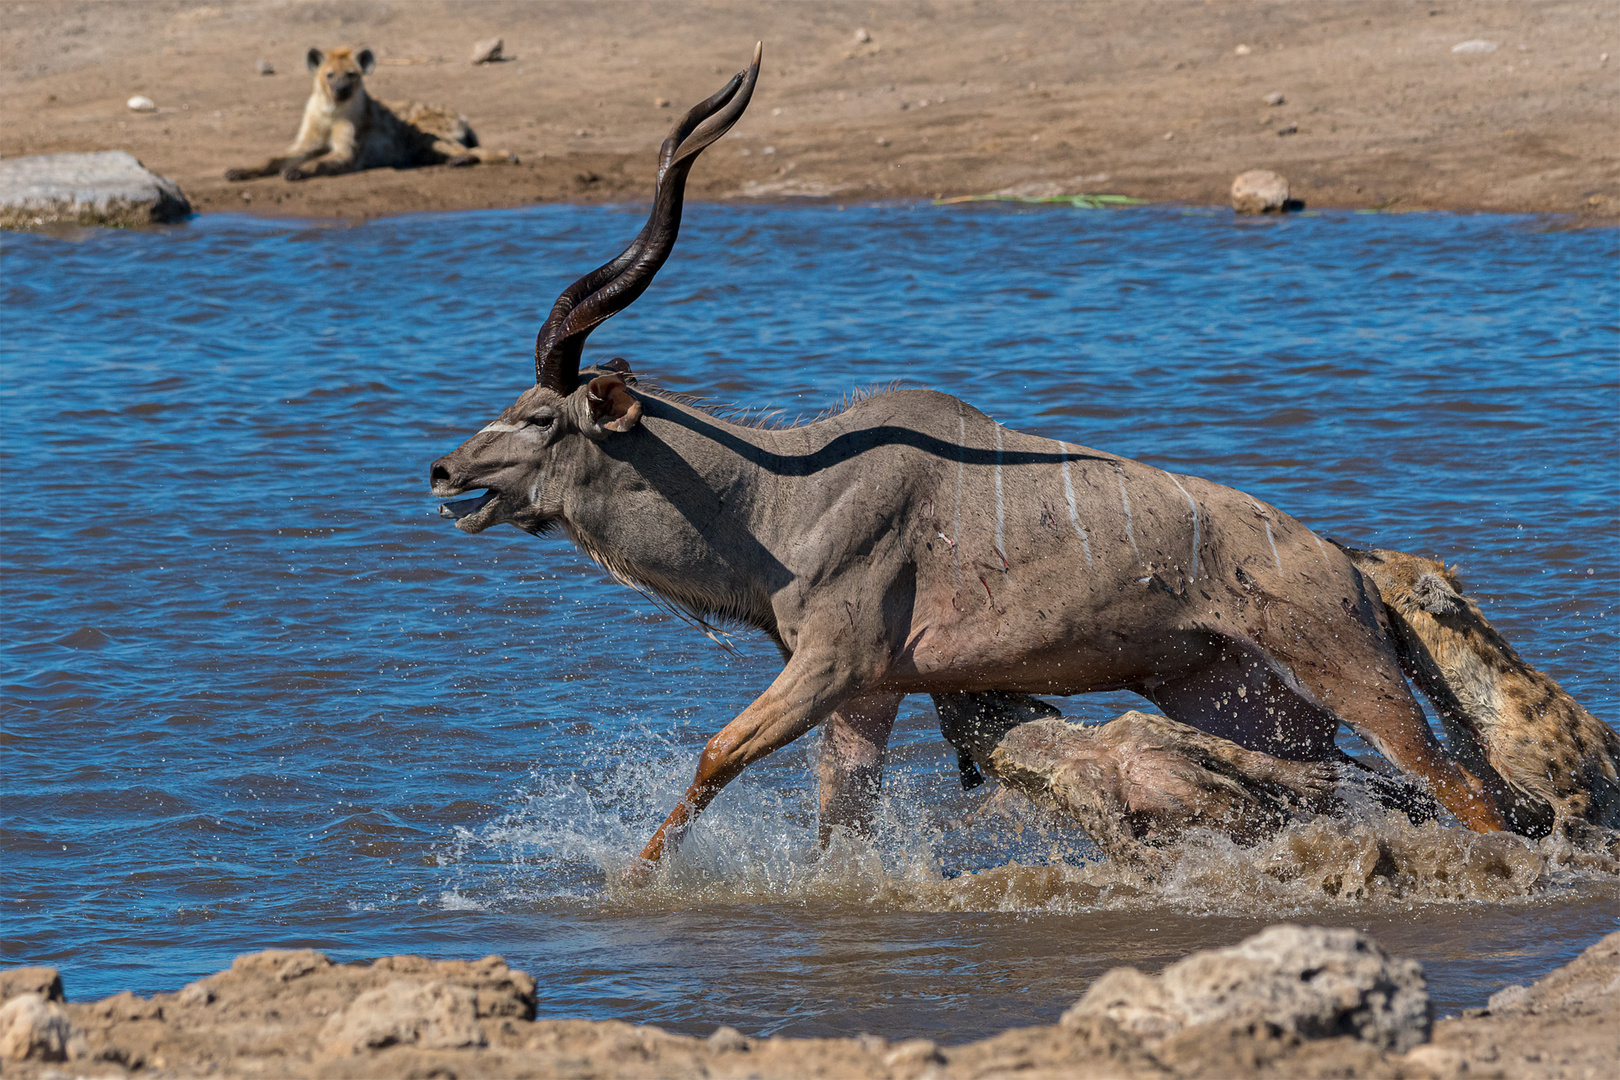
(257, 694)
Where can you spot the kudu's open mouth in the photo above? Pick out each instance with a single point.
(475, 514)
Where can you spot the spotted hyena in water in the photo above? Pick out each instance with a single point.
(345, 129)
(1548, 762)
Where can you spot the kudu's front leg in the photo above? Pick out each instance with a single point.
(853, 742)
(809, 688)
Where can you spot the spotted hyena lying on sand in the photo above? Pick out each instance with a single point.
(345, 129)
(1548, 763)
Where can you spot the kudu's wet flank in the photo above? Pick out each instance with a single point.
(910, 544)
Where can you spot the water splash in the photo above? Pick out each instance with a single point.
(573, 836)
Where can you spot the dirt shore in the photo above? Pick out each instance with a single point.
(1355, 1013)
(1162, 101)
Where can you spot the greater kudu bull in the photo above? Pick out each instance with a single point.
(911, 544)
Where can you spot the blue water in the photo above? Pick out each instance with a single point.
(256, 693)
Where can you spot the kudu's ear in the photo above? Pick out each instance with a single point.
(612, 406)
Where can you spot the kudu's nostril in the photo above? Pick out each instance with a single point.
(439, 474)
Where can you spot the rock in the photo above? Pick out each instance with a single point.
(913, 1053)
(661, 102)
(140, 103)
(1477, 45)
(488, 51)
(1437, 1060)
(1306, 982)
(108, 188)
(1508, 999)
(1242, 50)
(1288, 129)
(33, 1027)
(1275, 98)
(266, 68)
(862, 37)
(1259, 191)
(195, 995)
(727, 1040)
(432, 1015)
(43, 981)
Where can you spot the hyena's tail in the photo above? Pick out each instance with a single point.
(1546, 761)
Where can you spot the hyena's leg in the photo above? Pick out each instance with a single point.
(340, 156)
(853, 742)
(332, 164)
(272, 166)
(455, 154)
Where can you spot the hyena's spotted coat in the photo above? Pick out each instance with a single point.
(345, 129)
(1548, 762)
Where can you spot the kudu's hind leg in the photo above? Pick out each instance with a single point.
(853, 742)
(1242, 696)
(1375, 701)
(803, 695)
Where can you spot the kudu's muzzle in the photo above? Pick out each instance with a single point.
(451, 476)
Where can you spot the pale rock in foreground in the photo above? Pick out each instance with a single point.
(1309, 982)
(488, 51)
(1259, 191)
(32, 1027)
(434, 1014)
(107, 188)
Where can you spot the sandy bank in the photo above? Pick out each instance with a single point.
(1287, 1002)
(1290, 1001)
(1154, 100)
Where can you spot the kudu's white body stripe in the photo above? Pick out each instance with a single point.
(961, 467)
(1273, 543)
(1001, 546)
(1074, 514)
(1194, 508)
(1125, 500)
(1325, 560)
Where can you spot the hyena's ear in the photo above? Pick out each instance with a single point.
(613, 407)
(366, 61)
(313, 58)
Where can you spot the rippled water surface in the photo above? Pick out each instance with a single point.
(257, 694)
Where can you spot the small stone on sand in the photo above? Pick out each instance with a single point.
(1242, 50)
(1259, 191)
(1275, 98)
(1477, 45)
(266, 68)
(488, 51)
(140, 103)
(862, 37)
